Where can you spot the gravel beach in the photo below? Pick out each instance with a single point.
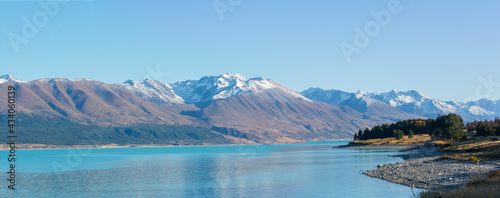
(423, 168)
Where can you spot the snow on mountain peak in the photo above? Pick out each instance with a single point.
(332, 96)
(225, 86)
(229, 79)
(8, 79)
(361, 94)
(233, 76)
(415, 103)
(156, 92)
(476, 110)
(397, 98)
(130, 82)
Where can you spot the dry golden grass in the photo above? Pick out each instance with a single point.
(480, 147)
(460, 157)
(474, 144)
(417, 139)
(442, 143)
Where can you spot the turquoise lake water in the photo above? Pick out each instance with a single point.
(293, 170)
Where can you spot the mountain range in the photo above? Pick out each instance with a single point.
(411, 102)
(228, 108)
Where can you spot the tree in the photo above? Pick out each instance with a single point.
(355, 136)
(449, 126)
(480, 129)
(410, 134)
(367, 134)
(399, 134)
(489, 131)
(485, 129)
(454, 126)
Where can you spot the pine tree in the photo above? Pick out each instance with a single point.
(480, 129)
(489, 130)
(367, 134)
(360, 134)
(454, 126)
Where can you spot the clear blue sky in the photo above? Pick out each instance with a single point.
(440, 48)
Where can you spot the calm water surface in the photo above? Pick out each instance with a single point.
(295, 170)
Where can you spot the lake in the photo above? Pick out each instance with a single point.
(312, 169)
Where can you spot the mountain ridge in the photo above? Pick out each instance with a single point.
(413, 102)
(225, 86)
(231, 106)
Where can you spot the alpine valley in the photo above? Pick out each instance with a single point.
(225, 109)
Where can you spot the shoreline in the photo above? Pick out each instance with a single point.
(50, 147)
(384, 146)
(423, 168)
(46, 147)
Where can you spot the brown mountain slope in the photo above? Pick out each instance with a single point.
(90, 102)
(274, 116)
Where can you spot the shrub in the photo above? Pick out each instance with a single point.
(473, 158)
(399, 134)
(410, 134)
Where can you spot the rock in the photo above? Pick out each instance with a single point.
(429, 171)
(428, 143)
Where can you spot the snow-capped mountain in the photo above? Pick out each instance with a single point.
(335, 97)
(392, 105)
(88, 101)
(414, 102)
(486, 104)
(8, 79)
(155, 92)
(417, 103)
(359, 101)
(230, 106)
(411, 102)
(236, 107)
(225, 86)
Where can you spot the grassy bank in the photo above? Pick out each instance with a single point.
(416, 139)
(485, 186)
(473, 149)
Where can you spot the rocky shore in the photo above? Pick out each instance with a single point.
(423, 168)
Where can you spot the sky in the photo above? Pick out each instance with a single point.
(448, 50)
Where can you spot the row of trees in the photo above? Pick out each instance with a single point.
(449, 126)
(484, 128)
